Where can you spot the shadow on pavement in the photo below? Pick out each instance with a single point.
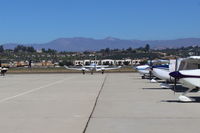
(196, 100)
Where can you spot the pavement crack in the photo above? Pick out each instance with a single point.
(95, 104)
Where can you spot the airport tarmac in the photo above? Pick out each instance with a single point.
(76, 103)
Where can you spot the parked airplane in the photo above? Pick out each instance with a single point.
(189, 75)
(162, 72)
(93, 67)
(146, 70)
(143, 70)
(3, 70)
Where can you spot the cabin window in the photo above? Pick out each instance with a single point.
(198, 66)
(189, 65)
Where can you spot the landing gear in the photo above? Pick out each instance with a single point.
(102, 71)
(153, 81)
(83, 72)
(3, 71)
(184, 98)
(165, 86)
(92, 72)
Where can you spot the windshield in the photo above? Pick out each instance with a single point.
(190, 64)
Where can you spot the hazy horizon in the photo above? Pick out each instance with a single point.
(96, 39)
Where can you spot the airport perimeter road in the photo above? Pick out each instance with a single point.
(47, 103)
(128, 104)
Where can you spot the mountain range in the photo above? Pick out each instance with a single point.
(90, 44)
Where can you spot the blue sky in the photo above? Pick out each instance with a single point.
(39, 21)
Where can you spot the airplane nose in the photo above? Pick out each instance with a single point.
(176, 74)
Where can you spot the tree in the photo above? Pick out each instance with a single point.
(66, 62)
(129, 49)
(147, 48)
(43, 50)
(30, 49)
(1, 49)
(107, 50)
(51, 51)
(126, 63)
(21, 48)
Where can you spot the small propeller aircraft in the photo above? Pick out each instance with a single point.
(93, 67)
(189, 75)
(163, 71)
(3, 70)
(147, 70)
(143, 70)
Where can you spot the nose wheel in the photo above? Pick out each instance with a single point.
(102, 71)
(83, 72)
(184, 98)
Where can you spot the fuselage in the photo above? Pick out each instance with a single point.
(189, 72)
(143, 69)
(190, 78)
(161, 73)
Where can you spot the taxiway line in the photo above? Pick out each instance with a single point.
(33, 90)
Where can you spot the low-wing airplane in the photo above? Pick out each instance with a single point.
(189, 75)
(3, 70)
(93, 67)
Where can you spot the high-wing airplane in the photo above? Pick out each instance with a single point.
(146, 70)
(162, 72)
(143, 70)
(189, 75)
(93, 67)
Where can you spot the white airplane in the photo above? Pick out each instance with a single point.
(162, 72)
(143, 70)
(93, 67)
(189, 75)
(3, 70)
(146, 69)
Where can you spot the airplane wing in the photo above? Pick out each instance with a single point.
(107, 68)
(79, 69)
(102, 66)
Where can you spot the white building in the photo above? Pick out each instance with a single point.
(98, 62)
(136, 62)
(108, 62)
(79, 62)
(119, 62)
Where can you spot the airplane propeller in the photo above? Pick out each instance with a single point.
(175, 79)
(150, 70)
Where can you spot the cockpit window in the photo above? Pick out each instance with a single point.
(190, 64)
(198, 66)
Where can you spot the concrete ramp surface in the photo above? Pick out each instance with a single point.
(76, 103)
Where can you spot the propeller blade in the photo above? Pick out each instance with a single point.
(150, 70)
(175, 79)
(174, 88)
(150, 74)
